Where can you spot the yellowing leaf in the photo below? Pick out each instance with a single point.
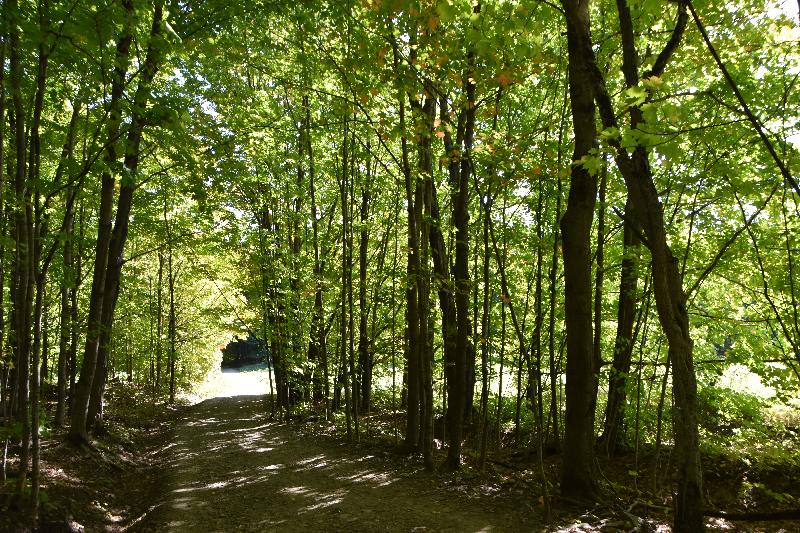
(653, 83)
(504, 79)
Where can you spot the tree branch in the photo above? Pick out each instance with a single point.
(739, 96)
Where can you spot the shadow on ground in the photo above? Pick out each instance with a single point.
(229, 469)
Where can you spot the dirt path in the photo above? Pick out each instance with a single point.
(228, 469)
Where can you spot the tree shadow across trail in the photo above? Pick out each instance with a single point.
(228, 468)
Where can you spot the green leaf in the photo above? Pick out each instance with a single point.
(635, 96)
(592, 162)
(609, 134)
(650, 113)
(445, 11)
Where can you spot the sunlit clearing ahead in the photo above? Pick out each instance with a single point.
(248, 380)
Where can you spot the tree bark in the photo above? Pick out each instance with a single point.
(460, 171)
(343, 318)
(424, 201)
(83, 389)
(412, 345)
(612, 436)
(578, 471)
(23, 234)
(667, 281)
(365, 359)
(317, 348)
(119, 235)
(67, 281)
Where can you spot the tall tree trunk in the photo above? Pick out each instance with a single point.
(73, 307)
(317, 349)
(172, 327)
(365, 358)
(485, 337)
(536, 349)
(45, 367)
(600, 272)
(36, 389)
(423, 201)
(83, 389)
(119, 235)
(459, 172)
(578, 471)
(38, 219)
(354, 377)
(295, 216)
(667, 281)
(425, 335)
(612, 436)
(266, 332)
(343, 321)
(554, 438)
(68, 280)
(441, 260)
(23, 231)
(151, 345)
(159, 320)
(413, 341)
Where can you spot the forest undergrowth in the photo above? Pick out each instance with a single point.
(104, 486)
(744, 481)
(120, 482)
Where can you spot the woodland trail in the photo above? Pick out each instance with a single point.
(229, 469)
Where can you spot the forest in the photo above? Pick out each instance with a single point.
(558, 239)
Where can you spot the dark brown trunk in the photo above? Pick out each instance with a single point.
(612, 436)
(159, 320)
(577, 470)
(355, 390)
(45, 368)
(536, 375)
(23, 230)
(666, 278)
(83, 389)
(460, 172)
(171, 323)
(485, 338)
(600, 272)
(365, 359)
(317, 348)
(554, 437)
(441, 263)
(119, 235)
(344, 314)
(413, 342)
(67, 280)
(73, 308)
(424, 201)
(266, 331)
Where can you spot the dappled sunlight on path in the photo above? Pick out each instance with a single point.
(230, 469)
